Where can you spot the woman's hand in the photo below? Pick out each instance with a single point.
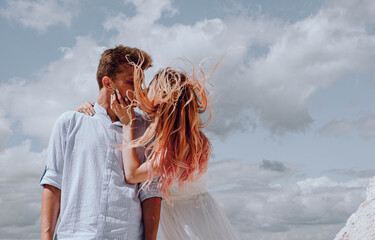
(87, 108)
(123, 108)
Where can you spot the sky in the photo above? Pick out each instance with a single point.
(293, 125)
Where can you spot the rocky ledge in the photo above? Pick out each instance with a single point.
(361, 224)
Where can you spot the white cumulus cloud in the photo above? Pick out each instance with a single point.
(270, 88)
(20, 194)
(61, 86)
(39, 14)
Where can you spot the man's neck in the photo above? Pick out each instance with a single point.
(104, 100)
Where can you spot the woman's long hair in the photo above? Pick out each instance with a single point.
(176, 148)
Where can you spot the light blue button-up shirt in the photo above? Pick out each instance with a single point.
(83, 161)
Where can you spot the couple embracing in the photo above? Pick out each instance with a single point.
(112, 173)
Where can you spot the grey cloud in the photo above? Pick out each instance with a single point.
(20, 193)
(338, 127)
(261, 208)
(364, 125)
(273, 166)
(357, 12)
(30, 232)
(240, 172)
(257, 205)
(5, 132)
(353, 173)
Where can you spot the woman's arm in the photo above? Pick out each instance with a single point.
(134, 172)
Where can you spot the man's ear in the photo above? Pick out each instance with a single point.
(106, 81)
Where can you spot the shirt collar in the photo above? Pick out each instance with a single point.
(101, 111)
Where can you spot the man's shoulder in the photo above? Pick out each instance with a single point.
(68, 118)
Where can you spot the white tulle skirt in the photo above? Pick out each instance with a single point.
(194, 215)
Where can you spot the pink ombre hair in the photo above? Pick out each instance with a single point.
(177, 149)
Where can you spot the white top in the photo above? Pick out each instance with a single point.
(83, 161)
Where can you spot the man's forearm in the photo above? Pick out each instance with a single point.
(50, 211)
(151, 215)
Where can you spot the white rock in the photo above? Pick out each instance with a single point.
(361, 224)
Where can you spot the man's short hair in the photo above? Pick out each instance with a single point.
(112, 59)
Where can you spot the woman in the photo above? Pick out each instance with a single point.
(177, 152)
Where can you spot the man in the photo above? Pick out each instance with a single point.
(84, 180)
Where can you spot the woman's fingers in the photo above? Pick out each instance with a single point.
(82, 109)
(86, 108)
(85, 111)
(127, 101)
(121, 108)
(121, 101)
(113, 102)
(115, 105)
(89, 108)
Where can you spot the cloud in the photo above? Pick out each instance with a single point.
(20, 194)
(149, 11)
(257, 204)
(40, 14)
(311, 54)
(59, 87)
(368, 173)
(364, 125)
(273, 165)
(338, 127)
(270, 88)
(262, 205)
(356, 12)
(5, 130)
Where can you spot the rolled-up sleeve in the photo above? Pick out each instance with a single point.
(151, 191)
(53, 171)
